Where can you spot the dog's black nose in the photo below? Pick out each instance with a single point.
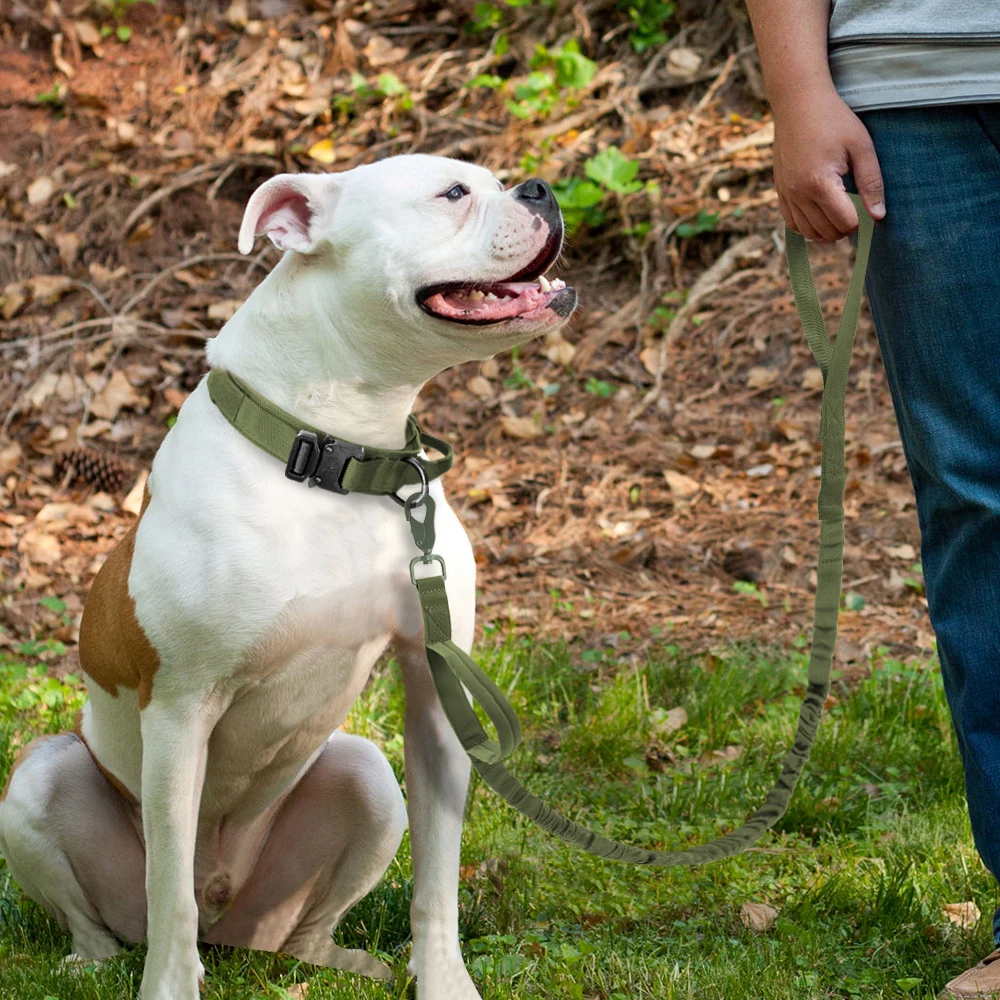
(536, 193)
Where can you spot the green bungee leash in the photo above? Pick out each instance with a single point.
(342, 467)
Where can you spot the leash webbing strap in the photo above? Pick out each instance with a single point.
(380, 471)
(451, 668)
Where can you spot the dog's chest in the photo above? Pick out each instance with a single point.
(295, 688)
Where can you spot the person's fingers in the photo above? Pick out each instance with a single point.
(813, 210)
(840, 210)
(801, 223)
(867, 173)
(786, 210)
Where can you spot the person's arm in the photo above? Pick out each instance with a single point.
(817, 138)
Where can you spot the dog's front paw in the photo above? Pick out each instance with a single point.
(453, 983)
(177, 980)
(441, 974)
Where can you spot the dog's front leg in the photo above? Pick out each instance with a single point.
(437, 779)
(174, 750)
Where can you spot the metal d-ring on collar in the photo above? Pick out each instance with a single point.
(418, 499)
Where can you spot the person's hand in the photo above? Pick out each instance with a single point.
(818, 139)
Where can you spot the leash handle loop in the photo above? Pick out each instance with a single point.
(454, 672)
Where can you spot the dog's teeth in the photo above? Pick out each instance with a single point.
(543, 283)
(490, 297)
(557, 285)
(476, 295)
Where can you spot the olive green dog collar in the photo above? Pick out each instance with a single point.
(454, 672)
(312, 455)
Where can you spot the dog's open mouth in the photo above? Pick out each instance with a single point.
(526, 295)
(494, 302)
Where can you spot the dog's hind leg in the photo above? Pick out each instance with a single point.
(333, 838)
(72, 846)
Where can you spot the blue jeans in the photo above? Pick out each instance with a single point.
(934, 289)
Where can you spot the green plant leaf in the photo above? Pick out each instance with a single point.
(704, 222)
(490, 80)
(390, 85)
(614, 170)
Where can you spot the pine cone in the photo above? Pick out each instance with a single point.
(105, 472)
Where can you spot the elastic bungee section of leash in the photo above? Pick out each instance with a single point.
(452, 668)
(312, 456)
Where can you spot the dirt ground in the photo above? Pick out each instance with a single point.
(654, 471)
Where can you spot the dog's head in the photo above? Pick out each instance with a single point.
(424, 244)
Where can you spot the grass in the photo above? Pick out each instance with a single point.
(875, 842)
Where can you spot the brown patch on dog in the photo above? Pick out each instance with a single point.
(112, 780)
(22, 755)
(114, 650)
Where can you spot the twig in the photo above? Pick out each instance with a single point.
(167, 272)
(194, 176)
(706, 284)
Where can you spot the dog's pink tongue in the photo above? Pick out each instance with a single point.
(457, 305)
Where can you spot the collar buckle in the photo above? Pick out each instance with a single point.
(321, 460)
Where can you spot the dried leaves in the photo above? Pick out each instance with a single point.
(566, 480)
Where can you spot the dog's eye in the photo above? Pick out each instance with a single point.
(456, 193)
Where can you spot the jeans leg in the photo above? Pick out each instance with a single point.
(934, 289)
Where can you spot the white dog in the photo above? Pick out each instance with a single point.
(203, 796)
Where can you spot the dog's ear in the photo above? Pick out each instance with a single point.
(291, 210)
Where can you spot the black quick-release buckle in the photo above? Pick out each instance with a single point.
(321, 461)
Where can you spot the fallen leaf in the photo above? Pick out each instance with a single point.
(789, 429)
(299, 991)
(15, 297)
(116, 394)
(93, 428)
(74, 513)
(381, 52)
(812, 378)
(650, 358)
(237, 14)
(757, 916)
(672, 721)
(758, 377)
(88, 34)
(963, 915)
(702, 451)
(683, 486)
(69, 247)
(103, 275)
(904, 551)
(224, 310)
(132, 504)
(520, 427)
(560, 353)
(683, 64)
(49, 286)
(40, 190)
(10, 458)
(323, 151)
(102, 501)
(480, 387)
(43, 389)
(175, 397)
(264, 147)
(40, 547)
